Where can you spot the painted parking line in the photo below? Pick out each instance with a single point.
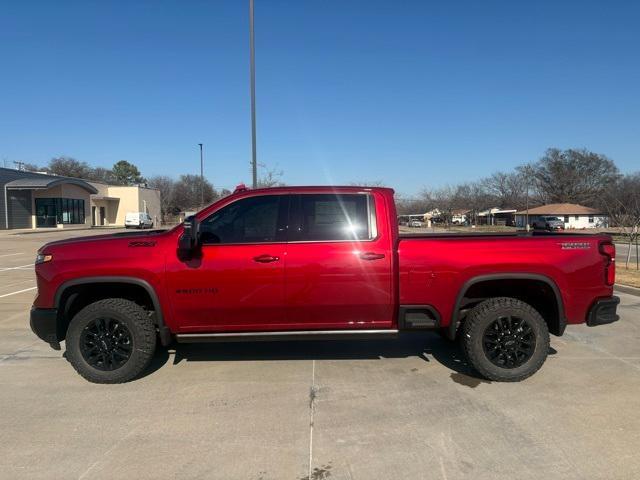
(16, 268)
(19, 291)
(18, 283)
(11, 254)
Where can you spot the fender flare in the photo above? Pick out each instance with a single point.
(164, 332)
(562, 321)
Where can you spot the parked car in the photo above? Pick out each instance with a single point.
(416, 224)
(292, 263)
(138, 220)
(548, 223)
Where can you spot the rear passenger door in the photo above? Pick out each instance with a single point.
(338, 265)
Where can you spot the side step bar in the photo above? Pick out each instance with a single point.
(285, 336)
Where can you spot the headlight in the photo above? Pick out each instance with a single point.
(42, 258)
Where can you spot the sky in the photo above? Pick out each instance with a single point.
(413, 94)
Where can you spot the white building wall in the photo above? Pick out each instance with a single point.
(149, 202)
(575, 222)
(579, 222)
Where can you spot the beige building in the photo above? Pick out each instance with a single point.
(37, 200)
(112, 202)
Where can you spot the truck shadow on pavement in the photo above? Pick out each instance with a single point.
(427, 346)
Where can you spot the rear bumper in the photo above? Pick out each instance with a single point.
(44, 323)
(603, 312)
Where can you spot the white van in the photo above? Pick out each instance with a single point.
(138, 220)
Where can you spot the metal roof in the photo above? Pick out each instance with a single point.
(44, 182)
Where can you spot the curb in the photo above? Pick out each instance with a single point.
(627, 289)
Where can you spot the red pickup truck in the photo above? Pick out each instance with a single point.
(316, 262)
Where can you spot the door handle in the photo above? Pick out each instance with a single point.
(266, 258)
(371, 256)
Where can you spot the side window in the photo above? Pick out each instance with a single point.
(335, 217)
(250, 220)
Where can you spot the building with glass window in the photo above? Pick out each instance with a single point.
(36, 200)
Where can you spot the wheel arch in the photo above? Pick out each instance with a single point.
(70, 290)
(555, 317)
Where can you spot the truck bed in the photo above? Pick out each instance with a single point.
(435, 269)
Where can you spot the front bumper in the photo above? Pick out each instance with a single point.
(44, 323)
(603, 312)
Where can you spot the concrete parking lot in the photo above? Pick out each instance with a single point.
(322, 410)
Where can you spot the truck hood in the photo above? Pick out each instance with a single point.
(119, 237)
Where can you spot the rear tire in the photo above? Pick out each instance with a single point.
(111, 341)
(505, 339)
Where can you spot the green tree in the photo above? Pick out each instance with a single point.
(126, 173)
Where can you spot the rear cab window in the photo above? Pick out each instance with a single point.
(332, 217)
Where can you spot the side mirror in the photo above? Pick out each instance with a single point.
(189, 240)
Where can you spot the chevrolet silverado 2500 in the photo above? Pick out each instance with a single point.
(316, 262)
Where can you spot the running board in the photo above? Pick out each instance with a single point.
(285, 336)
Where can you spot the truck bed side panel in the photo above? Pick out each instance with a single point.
(434, 270)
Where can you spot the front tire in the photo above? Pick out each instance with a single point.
(111, 341)
(505, 339)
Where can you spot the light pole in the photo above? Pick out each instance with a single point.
(527, 173)
(201, 177)
(252, 61)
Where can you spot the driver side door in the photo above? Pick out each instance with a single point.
(237, 283)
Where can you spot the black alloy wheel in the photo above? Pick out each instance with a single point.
(505, 339)
(106, 344)
(509, 342)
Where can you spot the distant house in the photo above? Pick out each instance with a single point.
(574, 216)
(497, 216)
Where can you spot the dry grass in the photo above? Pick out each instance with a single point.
(628, 277)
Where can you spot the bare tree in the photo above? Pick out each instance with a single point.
(69, 167)
(101, 174)
(445, 200)
(508, 190)
(186, 193)
(166, 185)
(32, 167)
(622, 204)
(272, 177)
(575, 176)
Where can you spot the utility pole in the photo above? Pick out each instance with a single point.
(252, 61)
(201, 177)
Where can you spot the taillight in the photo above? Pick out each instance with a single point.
(609, 251)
